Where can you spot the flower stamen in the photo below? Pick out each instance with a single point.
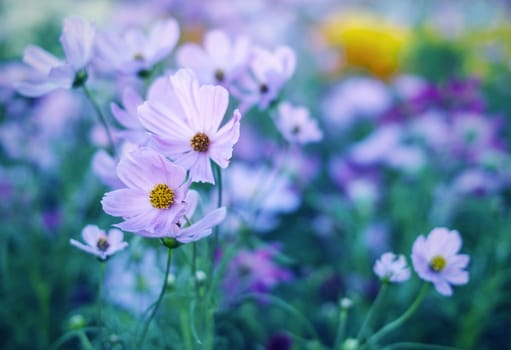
(161, 196)
(200, 142)
(102, 244)
(438, 263)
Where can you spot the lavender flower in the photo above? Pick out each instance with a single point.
(134, 52)
(435, 259)
(221, 60)
(187, 122)
(296, 125)
(154, 198)
(51, 73)
(392, 268)
(100, 244)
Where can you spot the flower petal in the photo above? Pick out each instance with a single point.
(91, 234)
(77, 40)
(203, 227)
(125, 203)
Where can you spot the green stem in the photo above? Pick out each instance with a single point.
(86, 344)
(402, 319)
(371, 311)
(341, 329)
(101, 117)
(214, 247)
(407, 345)
(194, 269)
(140, 341)
(100, 297)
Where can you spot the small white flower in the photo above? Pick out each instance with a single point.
(392, 268)
(100, 244)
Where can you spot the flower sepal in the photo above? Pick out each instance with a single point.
(171, 243)
(80, 78)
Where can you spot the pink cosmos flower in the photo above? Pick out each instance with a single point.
(221, 60)
(392, 268)
(296, 125)
(51, 73)
(100, 244)
(186, 125)
(268, 72)
(154, 198)
(133, 51)
(435, 259)
(199, 229)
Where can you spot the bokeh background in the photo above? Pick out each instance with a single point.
(414, 101)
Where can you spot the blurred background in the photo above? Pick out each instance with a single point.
(414, 101)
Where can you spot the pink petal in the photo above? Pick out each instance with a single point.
(91, 234)
(201, 170)
(126, 203)
(201, 228)
(212, 106)
(186, 88)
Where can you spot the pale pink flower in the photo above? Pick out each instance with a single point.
(154, 198)
(220, 61)
(100, 244)
(392, 268)
(436, 259)
(51, 73)
(187, 125)
(134, 51)
(296, 125)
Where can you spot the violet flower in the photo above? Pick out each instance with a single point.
(296, 125)
(392, 268)
(436, 259)
(100, 244)
(51, 73)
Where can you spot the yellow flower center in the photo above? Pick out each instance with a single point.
(161, 196)
(438, 263)
(102, 244)
(200, 142)
(138, 56)
(219, 75)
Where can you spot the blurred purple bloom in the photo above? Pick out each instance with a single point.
(133, 51)
(268, 72)
(255, 271)
(296, 125)
(187, 125)
(51, 73)
(221, 61)
(435, 259)
(392, 268)
(100, 244)
(154, 198)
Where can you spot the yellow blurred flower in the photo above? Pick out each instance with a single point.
(367, 42)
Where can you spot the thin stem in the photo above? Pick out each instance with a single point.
(407, 345)
(100, 297)
(402, 319)
(341, 328)
(194, 269)
(214, 247)
(86, 344)
(140, 342)
(371, 311)
(101, 117)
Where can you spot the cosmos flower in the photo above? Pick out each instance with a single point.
(392, 268)
(296, 125)
(220, 61)
(51, 73)
(435, 259)
(186, 125)
(267, 74)
(100, 244)
(133, 51)
(154, 198)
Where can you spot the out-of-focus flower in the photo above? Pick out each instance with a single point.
(51, 73)
(100, 244)
(392, 268)
(436, 259)
(367, 42)
(268, 72)
(154, 200)
(355, 99)
(221, 61)
(133, 52)
(296, 125)
(255, 271)
(187, 125)
(128, 117)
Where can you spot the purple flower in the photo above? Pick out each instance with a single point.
(100, 244)
(133, 51)
(392, 268)
(268, 72)
(296, 125)
(154, 199)
(51, 73)
(221, 60)
(186, 123)
(435, 259)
